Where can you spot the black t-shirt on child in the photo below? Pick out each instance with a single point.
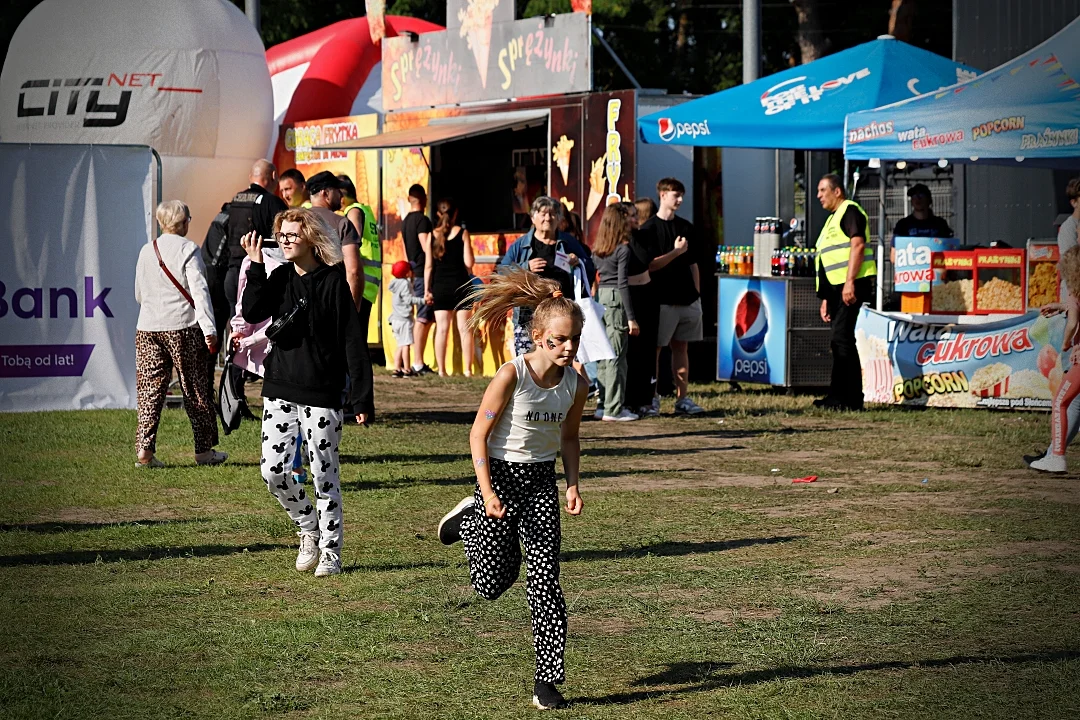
(674, 283)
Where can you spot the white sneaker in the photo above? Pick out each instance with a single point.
(308, 557)
(329, 564)
(623, 416)
(1050, 464)
(599, 414)
(686, 406)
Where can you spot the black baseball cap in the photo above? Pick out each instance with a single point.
(918, 188)
(323, 181)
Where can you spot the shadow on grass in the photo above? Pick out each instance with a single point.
(395, 567)
(675, 549)
(446, 417)
(664, 472)
(620, 451)
(704, 676)
(721, 434)
(398, 458)
(55, 528)
(91, 557)
(396, 483)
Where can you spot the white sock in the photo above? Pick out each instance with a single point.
(418, 368)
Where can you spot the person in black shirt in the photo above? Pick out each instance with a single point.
(922, 222)
(416, 230)
(251, 209)
(676, 282)
(840, 303)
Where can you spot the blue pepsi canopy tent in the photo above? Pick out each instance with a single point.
(804, 108)
(1027, 110)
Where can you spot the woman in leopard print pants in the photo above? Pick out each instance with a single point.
(175, 330)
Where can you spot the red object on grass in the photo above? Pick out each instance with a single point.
(807, 479)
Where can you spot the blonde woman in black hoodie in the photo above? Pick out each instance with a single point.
(305, 375)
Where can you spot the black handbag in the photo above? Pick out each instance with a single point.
(289, 319)
(231, 401)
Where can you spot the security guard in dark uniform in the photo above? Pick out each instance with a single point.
(846, 278)
(251, 209)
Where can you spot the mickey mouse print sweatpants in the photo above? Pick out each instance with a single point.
(322, 429)
(493, 547)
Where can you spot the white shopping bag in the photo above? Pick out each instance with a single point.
(594, 342)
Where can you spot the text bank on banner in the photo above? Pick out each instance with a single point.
(1007, 364)
(67, 282)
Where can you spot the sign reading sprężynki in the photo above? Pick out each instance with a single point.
(484, 54)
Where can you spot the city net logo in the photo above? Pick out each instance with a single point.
(673, 130)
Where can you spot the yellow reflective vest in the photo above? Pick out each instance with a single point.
(834, 249)
(370, 250)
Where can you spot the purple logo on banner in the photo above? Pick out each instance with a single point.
(44, 360)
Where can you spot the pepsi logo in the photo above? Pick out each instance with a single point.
(667, 129)
(751, 322)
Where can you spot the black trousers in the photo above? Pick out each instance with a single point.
(493, 548)
(641, 349)
(846, 380)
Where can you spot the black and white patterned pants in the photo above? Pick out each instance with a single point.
(321, 428)
(493, 547)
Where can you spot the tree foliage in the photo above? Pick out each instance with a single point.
(681, 46)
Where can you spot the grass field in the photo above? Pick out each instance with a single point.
(925, 575)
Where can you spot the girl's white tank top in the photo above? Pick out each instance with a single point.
(530, 428)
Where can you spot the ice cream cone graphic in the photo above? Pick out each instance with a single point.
(561, 153)
(476, 20)
(596, 186)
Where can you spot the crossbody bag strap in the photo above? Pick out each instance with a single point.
(164, 269)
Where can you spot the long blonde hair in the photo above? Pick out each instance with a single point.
(520, 288)
(1069, 265)
(614, 230)
(315, 231)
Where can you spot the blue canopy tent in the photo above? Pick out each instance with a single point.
(804, 108)
(1027, 111)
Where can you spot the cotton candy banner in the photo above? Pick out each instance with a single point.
(1007, 364)
(75, 218)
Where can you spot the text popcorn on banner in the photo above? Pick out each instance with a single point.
(1006, 364)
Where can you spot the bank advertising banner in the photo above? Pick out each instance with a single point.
(67, 280)
(1007, 364)
(752, 330)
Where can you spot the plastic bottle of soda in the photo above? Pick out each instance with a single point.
(774, 264)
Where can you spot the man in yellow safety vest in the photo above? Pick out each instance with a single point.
(845, 280)
(367, 225)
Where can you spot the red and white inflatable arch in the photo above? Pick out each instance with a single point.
(332, 72)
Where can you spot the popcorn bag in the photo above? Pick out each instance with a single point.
(878, 382)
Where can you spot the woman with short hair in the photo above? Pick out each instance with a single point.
(175, 330)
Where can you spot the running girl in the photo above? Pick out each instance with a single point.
(530, 411)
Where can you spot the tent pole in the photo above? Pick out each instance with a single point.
(882, 229)
(847, 177)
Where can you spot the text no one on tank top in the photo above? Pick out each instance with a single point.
(530, 428)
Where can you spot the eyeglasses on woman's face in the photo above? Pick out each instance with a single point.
(287, 238)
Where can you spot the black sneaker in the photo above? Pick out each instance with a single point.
(450, 525)
(825, 401)
(547, 697)
(1028, 459)
(423, 371)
